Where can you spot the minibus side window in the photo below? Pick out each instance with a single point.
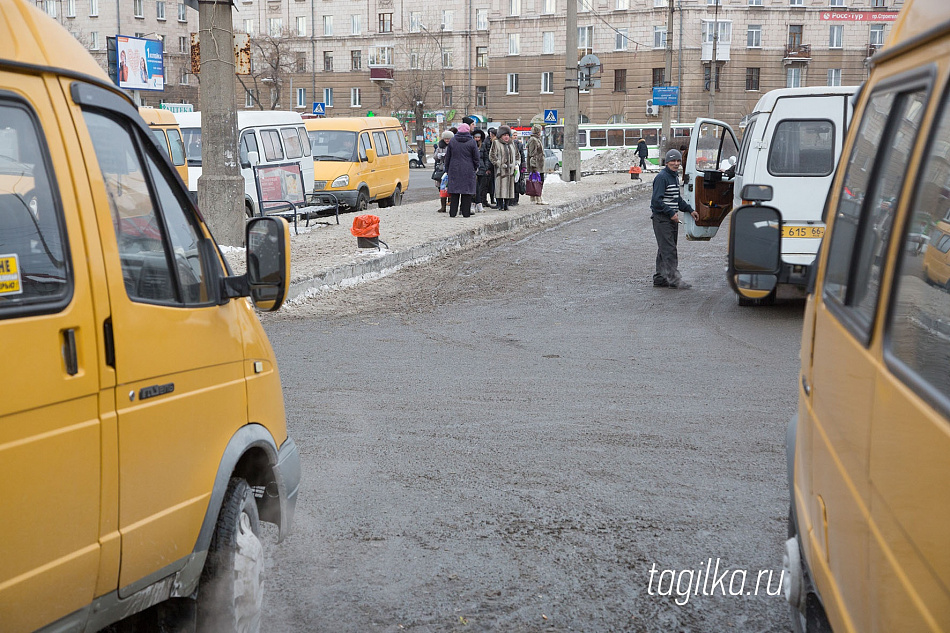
(364, 145)
(872, 206)
(381, 148)
(177, 147)
(916, 332)
(291, 142)
(304, 141)
(746, 142)
(270, 139)
(162, 141)
(34, 261)
(394, 143)
(248, 144)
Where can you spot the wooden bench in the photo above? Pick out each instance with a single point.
(280, 192)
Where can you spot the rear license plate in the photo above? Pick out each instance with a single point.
(803, 231)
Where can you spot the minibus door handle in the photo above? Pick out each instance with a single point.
(69, 352)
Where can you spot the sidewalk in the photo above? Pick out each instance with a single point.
(323, 256)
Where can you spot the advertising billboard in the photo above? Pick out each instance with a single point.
(140, 63)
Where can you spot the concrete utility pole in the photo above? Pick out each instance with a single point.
(571, 155)
(221, 186)
(667, 141)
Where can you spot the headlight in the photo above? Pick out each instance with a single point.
(342, 181)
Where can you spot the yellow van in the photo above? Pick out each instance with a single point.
(167, 134)
(359, 160)
(142, 429)
(869, 450)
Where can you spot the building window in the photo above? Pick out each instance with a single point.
(661, 3)
(877, 34)
(301, 97)
(138, 8)
(447, 96)
(795, 36)
(381, 56)
(620, 79)
(514, 7)
(481, 57)
(415, 19)
(50, 7)
(328, 61)
(514, 43)
(384, 96)
(249, 27)
(182, 14)
(834, 76)
(183, 75)
(547, 42)
(328, 97)
(623, 5)
(183, 46)
(300, 63)
(160, 9)
(836, 36)
(301, 27)
(356, 24)
(725, 31)
(547, 82)
(714, 2)
(414, 59)
(275, 26)
(751, 78)
(659, 77)
(94, 40)
(356, 98)
(548, 7)
(755, 3)
(706, 74)
(356, 60)
(583, 6)
(448, 18)
(446, 58)
(93, 8)
(249, 98)
(659, 37)
(327, 25)
(585, 39)
(385, 22)
(796, 3)
(836, 3)
(512, 83)
(879, 4)
(70, 8)
(621, 40)
(481, 96)
(753, 36)
(793, 77)
(481, 19)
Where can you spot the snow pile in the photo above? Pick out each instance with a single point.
(612, 160)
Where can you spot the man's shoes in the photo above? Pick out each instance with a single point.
(661, 284)
(681, 285)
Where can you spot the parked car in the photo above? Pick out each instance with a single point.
(551, 162)
(414, 161)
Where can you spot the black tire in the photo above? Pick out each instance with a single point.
(362, 201)
(414, 164)
(248, 211)
(230, 592)
(396, 199)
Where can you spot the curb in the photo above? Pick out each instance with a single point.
(394, 260)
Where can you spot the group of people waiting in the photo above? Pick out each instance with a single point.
(472, 166)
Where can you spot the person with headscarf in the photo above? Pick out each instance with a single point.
(439, 157)
(484, 172)
(535, 151)
(522, 176)
(507, 163)
(492, 135)
(461, 163)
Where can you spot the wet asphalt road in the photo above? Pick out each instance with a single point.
(508, 439)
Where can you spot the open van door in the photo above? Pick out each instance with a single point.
(709, 171)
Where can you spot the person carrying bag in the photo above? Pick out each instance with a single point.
(535, 151)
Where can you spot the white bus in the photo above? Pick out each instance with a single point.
(595, 138)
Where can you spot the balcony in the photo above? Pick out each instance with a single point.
(797, 53)
(381, 72)
(723, 50)
(873, 48)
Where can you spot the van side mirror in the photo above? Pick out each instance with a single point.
(371, 155)
(268, 262)
(757, 193)
(253, 158)
(755, 250)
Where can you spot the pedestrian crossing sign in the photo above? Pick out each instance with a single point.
(550, 116)
(319, 108)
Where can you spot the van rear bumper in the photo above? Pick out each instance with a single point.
(288, 480)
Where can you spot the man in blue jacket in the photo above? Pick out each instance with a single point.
(666, 204)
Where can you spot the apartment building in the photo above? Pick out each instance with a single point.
(503, 60)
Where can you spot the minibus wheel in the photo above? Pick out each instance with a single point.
(230, 592)
(362, 201)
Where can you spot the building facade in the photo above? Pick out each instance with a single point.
(503, 60)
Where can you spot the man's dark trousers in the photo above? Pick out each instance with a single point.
(667, 263)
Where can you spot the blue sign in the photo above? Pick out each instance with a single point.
(666, 96)
(550, 116)
(320, 108)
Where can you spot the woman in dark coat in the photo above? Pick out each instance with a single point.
(461, 163)
(643, 151)
(484, 173)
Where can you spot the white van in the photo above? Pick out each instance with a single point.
(792, 142)
(264, 137)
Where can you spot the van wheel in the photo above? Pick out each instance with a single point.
(396, 199)
(362, 201)
(231, 591)
(248, 211)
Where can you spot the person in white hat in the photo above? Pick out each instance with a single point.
(666, 205)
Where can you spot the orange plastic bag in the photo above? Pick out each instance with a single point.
(365, 226)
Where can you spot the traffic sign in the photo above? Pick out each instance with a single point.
(666, 96)
(319, 108)
(550, 116)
